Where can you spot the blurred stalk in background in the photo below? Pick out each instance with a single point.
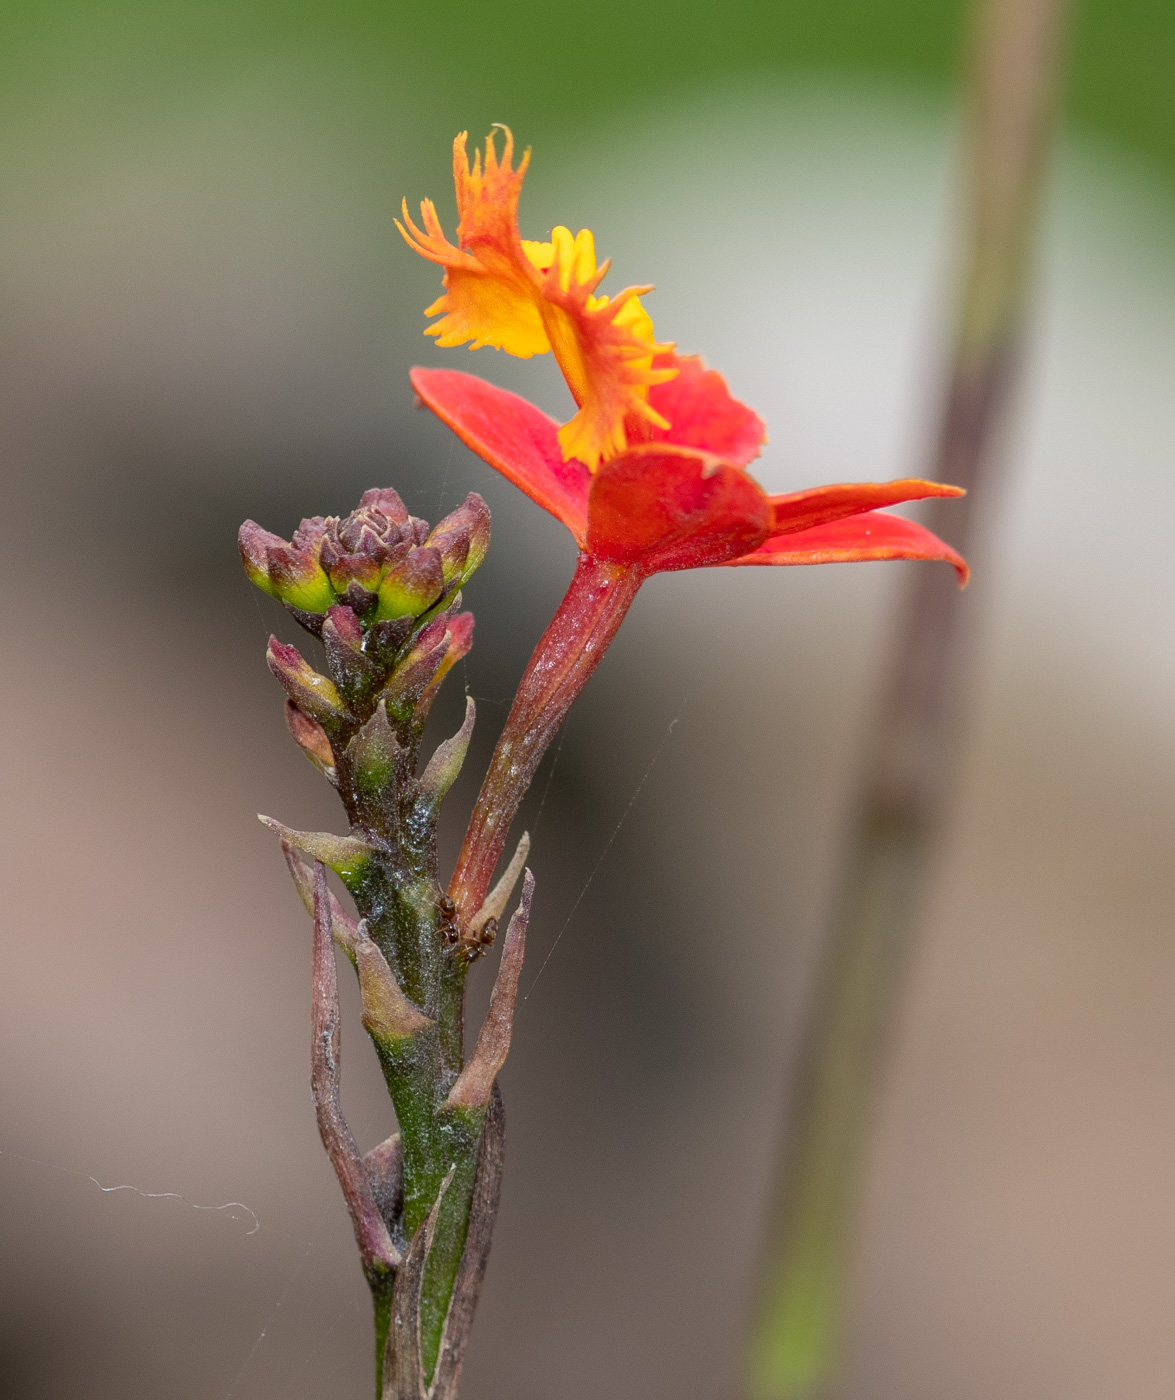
(908, 771)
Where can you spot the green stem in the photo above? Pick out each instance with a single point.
(401, 905)
(382, 1298)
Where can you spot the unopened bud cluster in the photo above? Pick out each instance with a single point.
(381, 590)
(382, 563)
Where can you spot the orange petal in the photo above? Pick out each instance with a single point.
(514, 437)
(874, 535)
(803, 509)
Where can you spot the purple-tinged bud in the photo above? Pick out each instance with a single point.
(459, 641)
(471, 520)
(345, 628)
(453, 547)
(311, 738)
(354, 672)
(289, 572)
(417, 668)
(411, 586)
(254, 544)
(387, 502)
(426, 640)
(313, 694)
(350, 569)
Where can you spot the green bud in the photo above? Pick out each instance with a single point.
(463, 538)
(285, 571)
(412, 585)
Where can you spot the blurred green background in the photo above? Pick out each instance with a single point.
(544, 66)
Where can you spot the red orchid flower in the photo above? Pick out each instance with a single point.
(682, 500)
(649, 475)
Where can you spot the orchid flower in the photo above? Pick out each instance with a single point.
(649, 475)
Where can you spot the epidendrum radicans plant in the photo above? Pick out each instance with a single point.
(649, 476)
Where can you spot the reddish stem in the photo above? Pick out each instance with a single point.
(570, 650)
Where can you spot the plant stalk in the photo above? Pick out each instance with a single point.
(795, 1343)
(594, 606)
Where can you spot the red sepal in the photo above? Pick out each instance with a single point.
(801, 510)
(874, 535)
(700, 412)
(514, 437)
(664, 507)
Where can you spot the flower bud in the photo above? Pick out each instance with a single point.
(412, 585)
(355, 673)
(313, 694)
(417, 668)
(379, 561)
(311, 738)
(387, 502)
(459, 639)
(291, 574)
(463, 538)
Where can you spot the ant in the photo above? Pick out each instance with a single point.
(448, 929)
(475, 944)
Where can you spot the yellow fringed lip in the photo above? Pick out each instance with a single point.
(528, 297)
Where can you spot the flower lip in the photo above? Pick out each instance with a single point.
(665, 507)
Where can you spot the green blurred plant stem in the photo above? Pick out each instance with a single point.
(798, 1326)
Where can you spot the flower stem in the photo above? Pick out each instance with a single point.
(795, 1345)
(569, 651)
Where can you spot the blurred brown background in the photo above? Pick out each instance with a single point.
(205, 314)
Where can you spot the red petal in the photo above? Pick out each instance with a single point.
(874, 535)
(668, 508)
(514, 437)
(700, 412)
(803, 509)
